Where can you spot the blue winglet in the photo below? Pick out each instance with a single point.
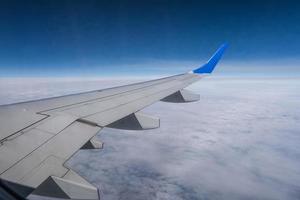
(212, 62)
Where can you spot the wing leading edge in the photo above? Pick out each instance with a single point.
(33, 149)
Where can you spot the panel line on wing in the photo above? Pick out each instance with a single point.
(111, 96)
(69, 123)
(106, 117)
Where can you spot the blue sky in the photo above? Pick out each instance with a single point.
(95, 38)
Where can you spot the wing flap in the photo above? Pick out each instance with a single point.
(16, 118)
(56, 123)
(20, 147)
(50, 157)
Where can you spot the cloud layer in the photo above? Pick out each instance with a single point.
(240, 141)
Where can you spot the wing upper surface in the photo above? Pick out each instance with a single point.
(59, 127)
(38, 137)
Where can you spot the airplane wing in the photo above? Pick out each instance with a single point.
(38, 137)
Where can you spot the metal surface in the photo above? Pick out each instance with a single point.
(37, 146)
(46, 133)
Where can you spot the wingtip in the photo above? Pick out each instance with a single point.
(208, 67)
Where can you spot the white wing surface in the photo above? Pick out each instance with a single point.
(38, 137)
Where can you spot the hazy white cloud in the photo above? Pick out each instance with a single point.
(14, 90)
(240, 141)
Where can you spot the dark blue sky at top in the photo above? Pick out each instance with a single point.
(89, 37)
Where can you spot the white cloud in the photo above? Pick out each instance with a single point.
(240, 141)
